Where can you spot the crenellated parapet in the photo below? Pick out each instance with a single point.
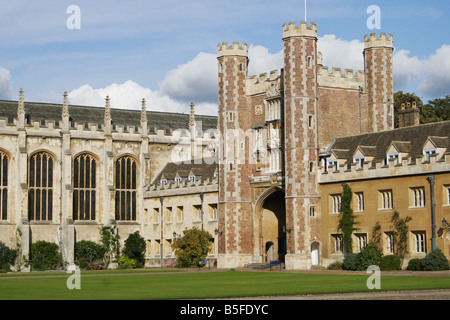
(380, 169)
(381, 41)
(235, 49)
(263, 83)
(292, 30)
(184, 187)
(336, 79)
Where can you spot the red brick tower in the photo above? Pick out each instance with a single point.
(301, 145)
(234, 123)
(379, 81)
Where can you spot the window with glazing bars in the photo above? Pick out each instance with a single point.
(84, 196)
(125, 189)
(3, 186)
(40, 187)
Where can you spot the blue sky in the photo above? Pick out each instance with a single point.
(165, 51)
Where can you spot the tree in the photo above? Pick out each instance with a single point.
(192, 247)
(376, 236)
(436, 110)
(400, 234)
(347, 220)
(110, 242)
(134, 248)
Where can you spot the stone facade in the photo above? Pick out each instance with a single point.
(290, 118)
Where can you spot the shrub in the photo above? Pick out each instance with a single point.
(7, 257)
(44, 256)
(435, 261)
(134, 248)
(126, 263)
(192, 247)
(414, 265)
(350, 262)
(87, 252)
(390, 262)
(368, 256)
(335, 266)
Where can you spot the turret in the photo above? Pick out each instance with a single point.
(379, 81)
(235, 207)
(301, 146)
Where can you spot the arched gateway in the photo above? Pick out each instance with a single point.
(269, 231)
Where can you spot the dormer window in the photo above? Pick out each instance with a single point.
(178, 180)
(392, 157)
(333, 164)
(429, 152)
(163, 182)
(191, 178)
(359, 161)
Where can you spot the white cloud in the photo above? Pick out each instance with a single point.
(262, 61)
(436, 68)
(128, 95)
(195, 80)
(339, 53)
(5, 84)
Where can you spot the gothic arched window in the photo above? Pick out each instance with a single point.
(84, 170)
(3, 186)
(40, 187)
(125, 189)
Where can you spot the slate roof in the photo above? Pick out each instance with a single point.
(408, 139)
(203, 170)
(95, 115)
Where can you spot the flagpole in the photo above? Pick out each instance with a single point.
(305, 10)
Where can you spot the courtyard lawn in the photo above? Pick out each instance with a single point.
(176, 285)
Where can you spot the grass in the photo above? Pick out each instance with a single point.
(174, 285)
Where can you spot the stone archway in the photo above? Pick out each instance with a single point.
(269, 224)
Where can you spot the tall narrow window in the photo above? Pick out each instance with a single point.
(3, 186)
(40, 187)
(417, 197)
(359, 196)
(84, 196)
(125, 185)
(336, 203)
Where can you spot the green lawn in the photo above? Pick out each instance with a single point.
(175, 285)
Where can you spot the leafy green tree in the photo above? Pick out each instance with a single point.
(7, 257)
(134, 248)
(400, 234)
(110, 243)
(435, 261)
(347, 220)
(87, 252)
(192, 247)
(45, 256)
(436, 110)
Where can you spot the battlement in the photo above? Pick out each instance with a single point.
(378, 169)
(260, 84)
(172, 185)
(349, 79)
(382, 41)
(235, 50)
(291, 30)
